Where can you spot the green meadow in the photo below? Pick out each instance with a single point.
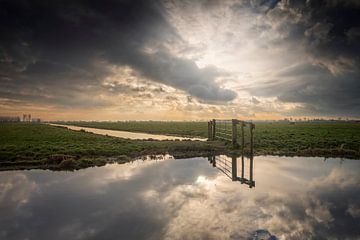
(304, 138)
(44, 146)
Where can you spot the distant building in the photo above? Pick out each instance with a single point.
(9, 119)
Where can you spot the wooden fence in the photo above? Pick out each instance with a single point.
(229, 166)
(232, 131)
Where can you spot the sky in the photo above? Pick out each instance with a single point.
(180, 60)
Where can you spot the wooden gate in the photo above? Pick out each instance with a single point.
(231, 131)
(229, 166)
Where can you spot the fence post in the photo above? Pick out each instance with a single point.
(233, 168)
(213, 129)
(210, 131)
(234, 132)
(252, 183)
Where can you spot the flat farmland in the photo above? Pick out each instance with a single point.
(274, 138)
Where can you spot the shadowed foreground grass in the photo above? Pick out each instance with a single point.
(327, 139)
(44, 146)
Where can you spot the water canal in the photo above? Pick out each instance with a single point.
(128, 135)
(166, 198)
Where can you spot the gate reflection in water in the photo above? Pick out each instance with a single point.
(229, 166)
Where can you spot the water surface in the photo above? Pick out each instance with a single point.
(125, 134)
(292, 198)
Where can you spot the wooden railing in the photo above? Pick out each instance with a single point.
(229, 166)
(232, 131)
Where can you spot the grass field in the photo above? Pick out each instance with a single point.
(46, 146)
(318, 139)
(305, 139)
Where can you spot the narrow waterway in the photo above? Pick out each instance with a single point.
(129, 135)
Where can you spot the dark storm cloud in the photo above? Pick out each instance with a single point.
(316, 87)
(68, 44)
(329, 31)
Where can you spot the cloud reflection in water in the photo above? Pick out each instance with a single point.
(294, 198)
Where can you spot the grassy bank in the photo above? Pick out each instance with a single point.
(43, 146)
(309, 139)
(337, 139)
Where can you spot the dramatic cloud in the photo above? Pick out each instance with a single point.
(327, 82)
(58, 49)
(246, 58)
